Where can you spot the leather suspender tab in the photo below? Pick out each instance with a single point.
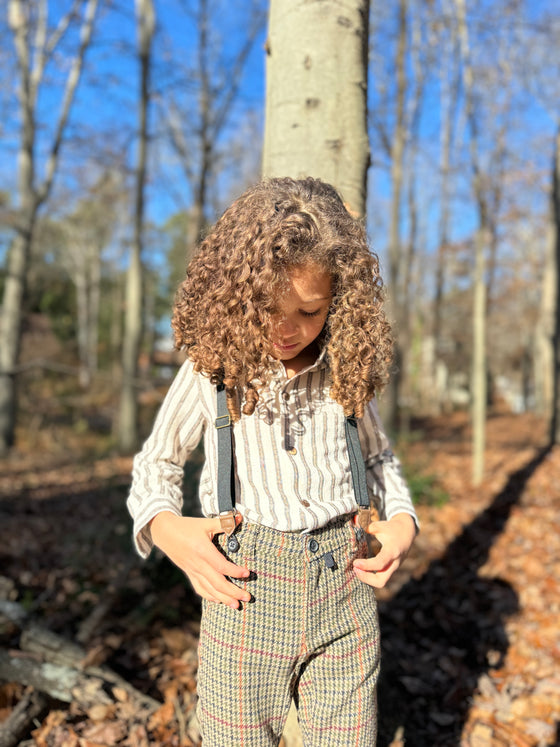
(227, 520)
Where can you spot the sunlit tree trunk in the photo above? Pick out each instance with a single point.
(554, 251)
(34, 43)
(133, 327)
(316, 109)
(316, 95)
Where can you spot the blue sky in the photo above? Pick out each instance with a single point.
(104, 117)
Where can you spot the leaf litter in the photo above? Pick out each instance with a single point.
(470, 624)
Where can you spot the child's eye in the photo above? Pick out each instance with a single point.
(310, 313)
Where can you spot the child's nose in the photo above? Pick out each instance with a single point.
(286, 326)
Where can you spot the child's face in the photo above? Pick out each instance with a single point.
(302, 311)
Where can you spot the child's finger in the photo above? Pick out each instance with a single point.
(218, 588)
(378, 564)
(372, 578)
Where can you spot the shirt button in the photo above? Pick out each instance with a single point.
(313, 545)
(285, 396)
(305, 503)
(292, 451)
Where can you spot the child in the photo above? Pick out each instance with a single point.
(281, 316)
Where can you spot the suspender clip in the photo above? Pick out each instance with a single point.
(227, 520)
(364, 518)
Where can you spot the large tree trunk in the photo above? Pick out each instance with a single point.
(316, 97)
(316, 111)
(133, 327)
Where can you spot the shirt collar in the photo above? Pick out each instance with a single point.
(280, 372)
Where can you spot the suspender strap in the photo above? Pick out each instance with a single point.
(226, 492)
(357, 466)
(226, 500)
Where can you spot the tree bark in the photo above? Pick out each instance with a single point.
(316, 95)
(316, 111)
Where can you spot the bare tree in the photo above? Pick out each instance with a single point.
(133, 327)
(35, 44)
(316, 101)
(197, 126)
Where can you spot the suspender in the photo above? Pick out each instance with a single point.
(226, 493)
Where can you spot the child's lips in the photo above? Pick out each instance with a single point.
(285, 348)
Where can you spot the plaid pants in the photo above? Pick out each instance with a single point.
(310, 632)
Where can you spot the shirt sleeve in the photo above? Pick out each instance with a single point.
(157, 472)
(384, 475)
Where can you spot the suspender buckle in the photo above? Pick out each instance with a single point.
(222, 421)
(227, 520)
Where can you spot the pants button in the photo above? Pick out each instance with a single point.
(313, 545)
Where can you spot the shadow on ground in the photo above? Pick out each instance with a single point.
(442, 631)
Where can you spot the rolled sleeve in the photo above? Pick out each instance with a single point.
(157, 473)
(386, 483)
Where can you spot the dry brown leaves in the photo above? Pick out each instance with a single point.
(471, 639)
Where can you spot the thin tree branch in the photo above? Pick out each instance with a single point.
(71, 85)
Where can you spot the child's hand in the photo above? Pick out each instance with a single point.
(396, 537)
(187, 541)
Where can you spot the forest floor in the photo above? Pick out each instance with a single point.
(470, 624)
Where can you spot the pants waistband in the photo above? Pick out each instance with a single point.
(334, 535)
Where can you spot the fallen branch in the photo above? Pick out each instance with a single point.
(54, 665)
(32, 706)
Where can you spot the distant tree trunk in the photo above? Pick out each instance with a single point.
(449, 92)
(395, 247)
(546, 338)
(479, 365)
(555, 252)
(409, 253)
(33, 46)
(133, 327)
(80, 277)
(316, 97)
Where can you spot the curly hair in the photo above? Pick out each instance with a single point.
(224, 308)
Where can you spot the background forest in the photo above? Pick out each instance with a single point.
(125, 129)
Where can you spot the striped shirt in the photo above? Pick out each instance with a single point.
(292, 468)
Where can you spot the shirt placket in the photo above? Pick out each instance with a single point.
(286, 395)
